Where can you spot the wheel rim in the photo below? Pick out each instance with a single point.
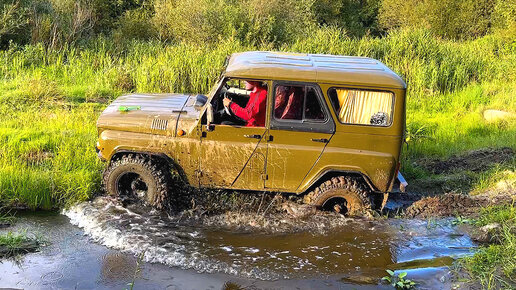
(132, 185)
(336, 204)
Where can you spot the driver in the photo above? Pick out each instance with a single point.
(254, 112)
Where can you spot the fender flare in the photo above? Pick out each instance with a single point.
(329, 173)
(159, 156)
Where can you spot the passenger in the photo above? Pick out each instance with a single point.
(254, 112)
(294, 108)
(280, 102)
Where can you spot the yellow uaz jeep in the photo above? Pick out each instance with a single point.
(330, 127)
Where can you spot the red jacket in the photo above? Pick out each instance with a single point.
(254, 111)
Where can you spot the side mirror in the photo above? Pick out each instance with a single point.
(200, 101)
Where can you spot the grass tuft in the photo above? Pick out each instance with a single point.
(14, 244)
(494, 266)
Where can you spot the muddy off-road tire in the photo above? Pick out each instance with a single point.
(137, 178)
(342, 194)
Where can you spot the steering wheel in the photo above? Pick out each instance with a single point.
(226, 109)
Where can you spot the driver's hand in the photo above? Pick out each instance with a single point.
(226, 102)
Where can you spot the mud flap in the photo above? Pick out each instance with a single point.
(403, 182)
(384, 202)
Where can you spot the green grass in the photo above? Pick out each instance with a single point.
(13, 244)
(494, 266)
(47, 154)
(50, 99)
(6, 218)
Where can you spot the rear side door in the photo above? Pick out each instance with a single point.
(300, 128)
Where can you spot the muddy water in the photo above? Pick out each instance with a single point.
(95, 244)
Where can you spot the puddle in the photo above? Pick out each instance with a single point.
(103, 240)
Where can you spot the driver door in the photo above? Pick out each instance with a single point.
(226, 151)
(233, 156)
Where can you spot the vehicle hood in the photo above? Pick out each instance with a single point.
(149, 113)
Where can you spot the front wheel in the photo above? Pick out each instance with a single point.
(341, 194)
(134, 177)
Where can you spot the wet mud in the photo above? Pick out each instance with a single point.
(444, 205)
(476, 161)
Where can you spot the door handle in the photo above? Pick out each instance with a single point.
(255, 136)
(322, 140)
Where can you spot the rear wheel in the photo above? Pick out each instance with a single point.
(341, 194)
(137, 178)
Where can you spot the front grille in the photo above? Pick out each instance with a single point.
(159, 124)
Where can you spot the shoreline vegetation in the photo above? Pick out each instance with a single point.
(63, 62)
(50, 100)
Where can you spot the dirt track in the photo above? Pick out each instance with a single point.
(431, 200)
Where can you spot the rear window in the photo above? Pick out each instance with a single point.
(362, 107)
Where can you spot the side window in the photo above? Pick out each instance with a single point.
(294, 102)
(364, 107)
(236, 86)
(313, 109)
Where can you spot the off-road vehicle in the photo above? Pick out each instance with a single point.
(336, 138)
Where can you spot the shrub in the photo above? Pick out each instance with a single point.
(135, 24)
(277, 20)
(452, 19)
(504, 20)
(253, 21)
(13, 23)
(356, 17)
(56, 23)
(195, 20)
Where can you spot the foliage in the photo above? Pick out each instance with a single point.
(495, 265)
(253, 21)
(6, 218)
(13, 244)
(196, 21)
(13, 23)
(137, 270)
(57, 23)
(399, 281)
(452, 19)
(357, 18)
(135, 24)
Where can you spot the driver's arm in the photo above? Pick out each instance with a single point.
(254, 106)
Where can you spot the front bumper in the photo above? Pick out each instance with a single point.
(99, 153)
